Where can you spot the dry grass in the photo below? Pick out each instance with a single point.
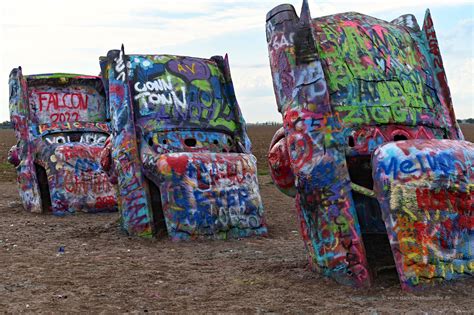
(261, 136)
(468, 130)
(7, 140)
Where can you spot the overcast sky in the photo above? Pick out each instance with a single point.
(69, 36)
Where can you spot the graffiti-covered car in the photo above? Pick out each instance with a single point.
(179, 148)
(60, 125)
(370, 146)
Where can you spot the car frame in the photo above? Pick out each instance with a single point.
(60, 124)
(370, 147)
(179, 148)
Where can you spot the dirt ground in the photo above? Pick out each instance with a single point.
(103, 270)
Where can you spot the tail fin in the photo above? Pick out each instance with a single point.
(442, 87)
(305, 47)
(408, 21)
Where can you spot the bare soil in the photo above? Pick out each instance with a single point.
(103, 270)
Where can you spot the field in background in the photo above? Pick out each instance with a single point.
(103, 270)
(7, 140)
(468, 131)
(261, 137)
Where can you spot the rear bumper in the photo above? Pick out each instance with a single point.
(76, 181)
(425, 189)
(210, 194)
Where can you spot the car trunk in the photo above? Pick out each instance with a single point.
(76, 181)
(210, 194)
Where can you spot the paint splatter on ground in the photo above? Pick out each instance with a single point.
(101, 269)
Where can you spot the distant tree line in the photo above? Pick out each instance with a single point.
(267, 123)
(6, 125)
(274, 123)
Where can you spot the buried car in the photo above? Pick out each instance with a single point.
(370, 147)
(179, 148)
(60, 125)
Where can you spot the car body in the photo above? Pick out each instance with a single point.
(60, 125)
(370, 146)
(179, 149)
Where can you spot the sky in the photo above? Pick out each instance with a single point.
(45, 36)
